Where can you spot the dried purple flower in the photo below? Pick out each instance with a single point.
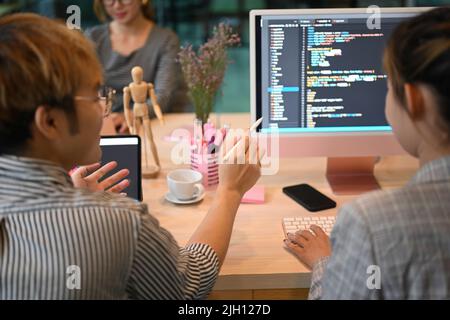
(204, 71)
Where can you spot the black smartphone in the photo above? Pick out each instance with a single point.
(310, 198)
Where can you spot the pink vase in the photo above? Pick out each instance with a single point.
(208, 166)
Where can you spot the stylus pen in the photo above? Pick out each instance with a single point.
(253, 127)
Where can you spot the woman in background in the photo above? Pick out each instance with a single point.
(129, 37)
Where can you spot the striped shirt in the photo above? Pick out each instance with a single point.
(392, 244)
(59, 242)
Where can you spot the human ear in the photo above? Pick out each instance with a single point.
(48, 121)
(414, 101)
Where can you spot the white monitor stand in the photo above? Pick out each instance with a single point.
(348, 176)
(351, 158)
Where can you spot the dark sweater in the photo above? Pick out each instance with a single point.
(158, 59)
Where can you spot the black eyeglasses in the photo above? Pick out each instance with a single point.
(110, 3)
(106, 96)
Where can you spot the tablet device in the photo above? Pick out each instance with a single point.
(126, 151)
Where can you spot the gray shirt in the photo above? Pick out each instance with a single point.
(397, 239)
(158, 59)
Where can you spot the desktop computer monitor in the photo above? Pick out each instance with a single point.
(317, 80)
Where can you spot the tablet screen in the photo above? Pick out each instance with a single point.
(126, 151)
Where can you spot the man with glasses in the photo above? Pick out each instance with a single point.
(105, 95)
(62, 242)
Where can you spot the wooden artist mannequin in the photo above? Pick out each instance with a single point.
(138, 91)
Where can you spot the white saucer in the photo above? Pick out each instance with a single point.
(171, 198)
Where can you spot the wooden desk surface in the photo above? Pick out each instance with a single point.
(256, 257)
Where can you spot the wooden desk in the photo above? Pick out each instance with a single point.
(256, 257)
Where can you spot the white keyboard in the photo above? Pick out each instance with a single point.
(293, 224)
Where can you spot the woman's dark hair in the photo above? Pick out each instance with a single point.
(419, 52)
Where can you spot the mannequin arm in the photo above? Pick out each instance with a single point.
(126, 108)
(155, 104)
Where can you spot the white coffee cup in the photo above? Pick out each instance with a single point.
(185, 184)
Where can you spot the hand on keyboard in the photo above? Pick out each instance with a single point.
(309, 246)
(293, 224)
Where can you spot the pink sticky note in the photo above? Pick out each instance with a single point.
(255, 195)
